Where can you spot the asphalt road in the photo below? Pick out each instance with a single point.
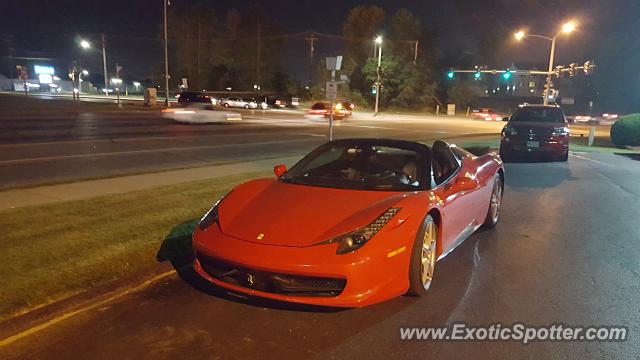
(38, 147)
(566, 251)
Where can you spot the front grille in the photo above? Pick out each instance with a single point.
(271, 282)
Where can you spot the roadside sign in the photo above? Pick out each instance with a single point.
(568, 101)
(451, 109)
(185, 83)
(331, 90)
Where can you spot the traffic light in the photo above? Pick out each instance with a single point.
(451, 74)
(374, 89)
(572, 69)
(507, 75)
(477, 75)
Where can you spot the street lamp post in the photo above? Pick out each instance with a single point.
(379, 42)
(87, 45)
(166, 57)
(567, 28)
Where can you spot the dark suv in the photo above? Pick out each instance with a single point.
(187, 97)
(536, 130)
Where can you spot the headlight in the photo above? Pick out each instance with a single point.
(211, 217)
(351, 242)
(561, 131)
(509, 131)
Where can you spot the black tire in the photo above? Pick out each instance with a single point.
(246, 106)
(416, 287)
(490, 220)
(564, 157)
(225, 105)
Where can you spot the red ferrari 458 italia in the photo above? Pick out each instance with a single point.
(355, 222)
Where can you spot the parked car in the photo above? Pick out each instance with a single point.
(353, 223)
(276, 102)
(187, 97)
(236, 102)
(536, 130)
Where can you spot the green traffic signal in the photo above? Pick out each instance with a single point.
(477, 75)
(451, 74)
(506, 75)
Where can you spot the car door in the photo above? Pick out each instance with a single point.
(454, 188)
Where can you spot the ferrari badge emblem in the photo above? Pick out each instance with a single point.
(260, 237)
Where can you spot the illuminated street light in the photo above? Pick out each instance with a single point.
(86, 45)
(566, 28)
(569, 27)
(378, 41)
(520, 35)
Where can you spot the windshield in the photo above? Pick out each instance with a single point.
(542, 114)
(360, 167)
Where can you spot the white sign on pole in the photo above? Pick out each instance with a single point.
(185, 83)
(332, 90)
(451, 109)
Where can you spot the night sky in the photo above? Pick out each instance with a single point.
(50, 28)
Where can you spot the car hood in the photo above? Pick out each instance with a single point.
(271, 212)
(535, 127)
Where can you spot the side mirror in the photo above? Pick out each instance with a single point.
(506, 118)
(279, 170)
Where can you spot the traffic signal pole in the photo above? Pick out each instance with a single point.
(547, 89)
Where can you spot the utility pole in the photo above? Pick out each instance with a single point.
(547, 90)
(166, 57)
(379, 42)
(415, 53)
(259, 43)
(104, 66)
(311, 39)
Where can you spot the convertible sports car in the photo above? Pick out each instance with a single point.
(355, 222)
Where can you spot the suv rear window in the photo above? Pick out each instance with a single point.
(541, 114)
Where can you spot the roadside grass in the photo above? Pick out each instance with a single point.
(54, 251)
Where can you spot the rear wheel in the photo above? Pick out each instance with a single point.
(246, 106)
(495, 203)
(423, 258)
(226, 105)
(564, 157)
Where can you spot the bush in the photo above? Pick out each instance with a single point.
(626, 131)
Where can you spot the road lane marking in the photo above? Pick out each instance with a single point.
(148, 151)
(595, 161)
(57, 319)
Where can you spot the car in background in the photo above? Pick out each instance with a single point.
(200, 113)
(486, 114)
(276, 102)
(187, 97)
(323, 108)
(235, 102)
(383, 213)
(536, 130)
(252, 103)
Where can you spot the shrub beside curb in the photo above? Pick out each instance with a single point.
(626, 131)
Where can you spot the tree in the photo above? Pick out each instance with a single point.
(359, 29)
(462, 94)
(405, 30)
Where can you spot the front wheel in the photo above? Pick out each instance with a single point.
(226, 105)
(246, 106)
(423, 258)
(495, 203)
